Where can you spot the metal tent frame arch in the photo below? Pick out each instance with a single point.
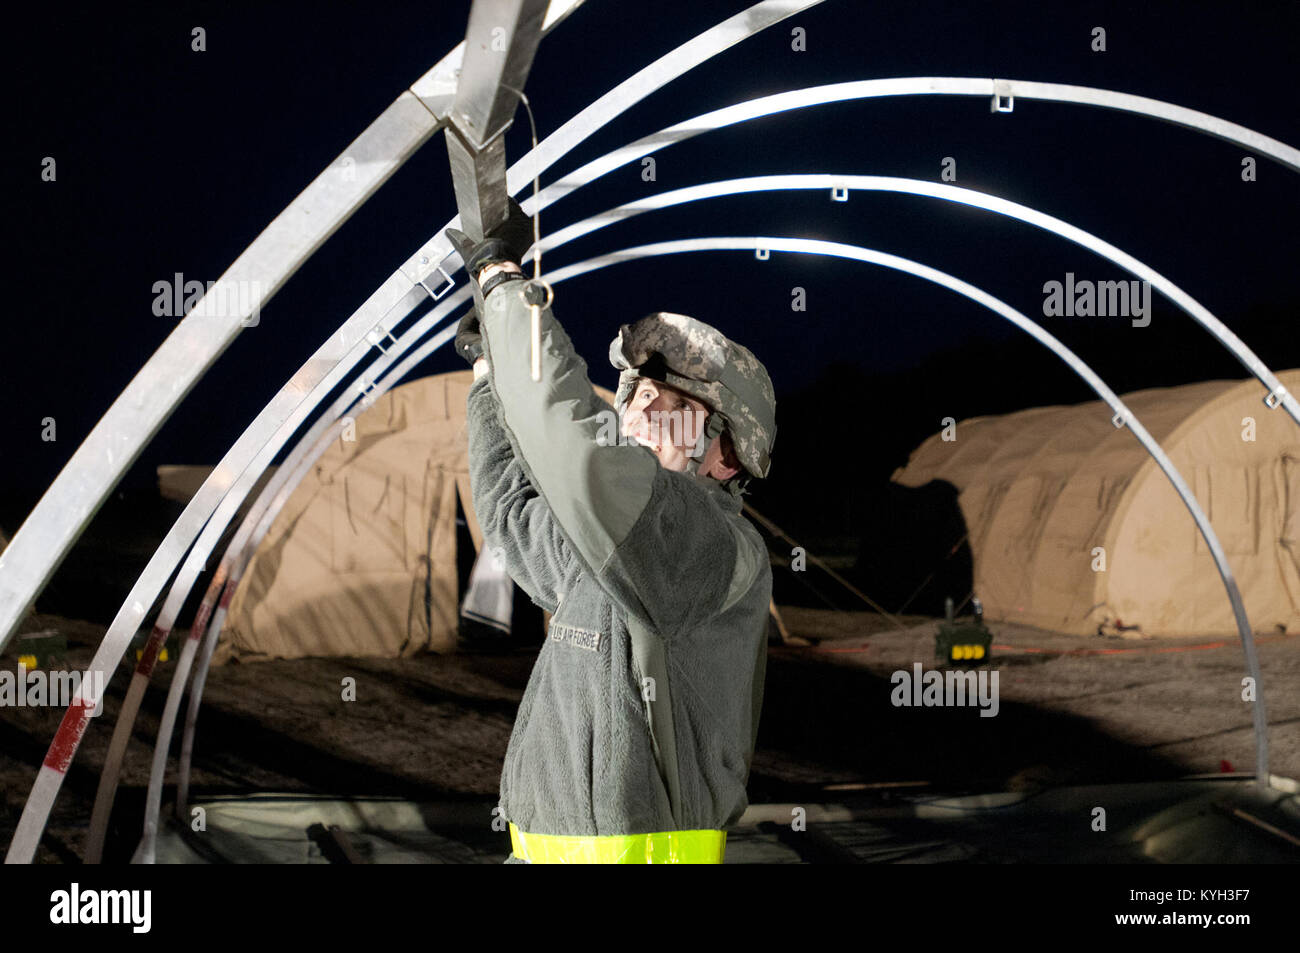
(307, 451)
(558, 239)
(136, 415)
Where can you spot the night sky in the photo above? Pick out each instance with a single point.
(171, 160)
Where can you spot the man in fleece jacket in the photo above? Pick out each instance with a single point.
(635, 734)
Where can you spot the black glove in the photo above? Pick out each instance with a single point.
(469, 340)
(509, 241)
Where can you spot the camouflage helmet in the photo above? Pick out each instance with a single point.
(699, 360)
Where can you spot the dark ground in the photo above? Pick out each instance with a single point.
(436, 727)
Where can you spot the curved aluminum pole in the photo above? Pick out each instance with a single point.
(1276, 394)
(273, 438)
(963, 86)
(1122, 416)
(247, 539)
(226, 587)
(194, 345)
(251, 532)
(140, 410)
(775, 103)
(343, 349)
(1000, 91)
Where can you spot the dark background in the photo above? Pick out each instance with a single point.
(171, 160)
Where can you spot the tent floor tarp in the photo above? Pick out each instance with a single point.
(1226, 819)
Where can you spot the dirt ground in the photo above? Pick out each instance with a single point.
(433, 727)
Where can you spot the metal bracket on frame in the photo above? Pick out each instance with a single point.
(451, 282)
(1003, 101)
(1274, 398)
(366, 388)
(377, 339)
(1118, 420)
(839, 193)
(762, 254)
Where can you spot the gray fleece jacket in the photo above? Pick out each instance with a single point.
(642, 709)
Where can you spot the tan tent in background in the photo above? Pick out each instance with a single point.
(1045, 491)
(362, 559)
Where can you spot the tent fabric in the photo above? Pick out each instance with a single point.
(1048, 493)
(361, 561)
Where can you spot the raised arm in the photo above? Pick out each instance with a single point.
(514, 518)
